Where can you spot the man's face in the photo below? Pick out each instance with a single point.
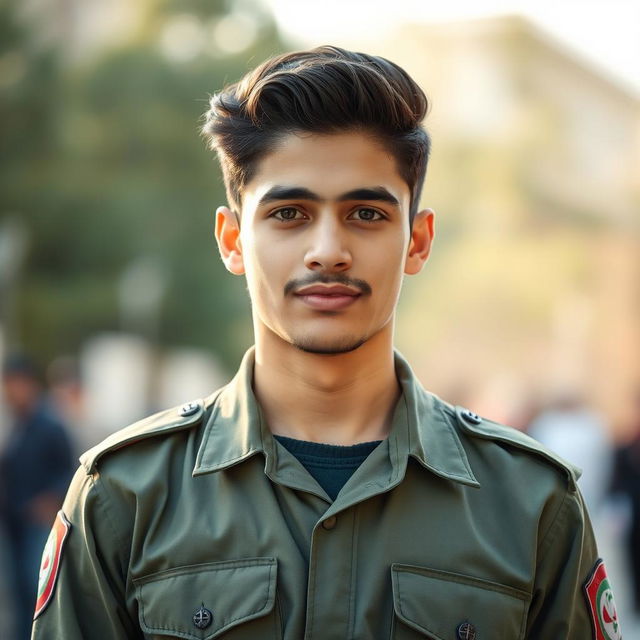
(20, 392)
(323, 241)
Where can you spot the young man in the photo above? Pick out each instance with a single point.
(323, 493)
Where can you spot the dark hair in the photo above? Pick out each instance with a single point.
(323, 90)
(20, 364)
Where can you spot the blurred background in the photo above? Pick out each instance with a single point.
(528, 311)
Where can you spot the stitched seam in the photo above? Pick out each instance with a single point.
(354, 575)
(278, 618)
(507, 440)
(523, 624)
(402, 610)
(555, 524)
(311, 593)
(102, 493)
(459, 447)
(400, 600)
(206, 567)
(409, 446)
(471, 581)
(214, 415)
(230, 461)
(207, 437)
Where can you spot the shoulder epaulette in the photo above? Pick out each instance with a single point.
(481, 427)
(168, 421)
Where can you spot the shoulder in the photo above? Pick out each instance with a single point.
(161, 425)
(498, 443)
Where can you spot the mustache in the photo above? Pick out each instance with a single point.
(337, 278)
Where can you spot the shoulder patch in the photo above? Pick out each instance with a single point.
(602, 607)
(168, 421)
(483, 428)
(50, 564)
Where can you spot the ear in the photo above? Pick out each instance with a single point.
(227, 232)
(422, 234)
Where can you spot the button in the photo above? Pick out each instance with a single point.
(329, 523)
(189, 409)
(202, 618)
(474, 418)
(466, 631)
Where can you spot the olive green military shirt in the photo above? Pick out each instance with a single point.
(198, 524)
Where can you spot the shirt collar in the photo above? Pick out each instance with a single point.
(422, 428)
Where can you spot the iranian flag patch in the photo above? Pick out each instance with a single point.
(50, 564)
(602, 606)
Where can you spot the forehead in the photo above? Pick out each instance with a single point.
(329, 165)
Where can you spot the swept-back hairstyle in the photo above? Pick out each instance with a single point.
(323, 90)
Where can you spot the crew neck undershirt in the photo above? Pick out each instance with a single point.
(330, 465)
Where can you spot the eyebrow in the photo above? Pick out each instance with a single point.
(375, 194)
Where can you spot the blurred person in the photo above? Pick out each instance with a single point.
(626, 481)
(323, 493)
(66, 392)
(580, 435)
(36, 465)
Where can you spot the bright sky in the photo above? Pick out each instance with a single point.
(605, 32)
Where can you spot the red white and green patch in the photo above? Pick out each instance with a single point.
(602, 606)
(50, 564)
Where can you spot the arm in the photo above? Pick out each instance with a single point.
(88, 597)
(567, 564)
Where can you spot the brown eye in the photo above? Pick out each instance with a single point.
(288, 213)
(368, 215)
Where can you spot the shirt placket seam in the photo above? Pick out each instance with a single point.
(311, 603)
(354, 573)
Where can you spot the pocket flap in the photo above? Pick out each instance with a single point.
(233, 592)
(437, 602)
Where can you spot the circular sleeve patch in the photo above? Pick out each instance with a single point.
(50, 564)
(602, 606)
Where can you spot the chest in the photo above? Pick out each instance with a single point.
(268, 561)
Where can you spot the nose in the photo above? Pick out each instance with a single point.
(327, 250)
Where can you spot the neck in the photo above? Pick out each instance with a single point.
(341, 399)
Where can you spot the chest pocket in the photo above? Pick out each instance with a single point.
(231, 600)
(449, 606)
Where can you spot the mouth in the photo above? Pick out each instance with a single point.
(328, 298)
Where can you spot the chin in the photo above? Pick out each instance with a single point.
(326, 347)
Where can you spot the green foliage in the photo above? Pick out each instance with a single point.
(104, 163)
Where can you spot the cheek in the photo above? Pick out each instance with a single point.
(266, 268)
(389, 268)
(390, 283)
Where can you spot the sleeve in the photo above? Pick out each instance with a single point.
(572, 598)
(82, 588)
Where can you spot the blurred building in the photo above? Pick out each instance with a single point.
(534, 283)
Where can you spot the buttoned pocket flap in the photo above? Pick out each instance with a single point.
(439, 603)
(203, 601)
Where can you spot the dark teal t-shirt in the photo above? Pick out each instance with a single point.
(331, 465)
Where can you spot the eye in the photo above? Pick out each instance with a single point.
(366, 214)
(287, 214)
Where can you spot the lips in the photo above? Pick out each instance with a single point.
(328, 290)
(328, 298)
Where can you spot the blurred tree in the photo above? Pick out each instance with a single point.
(104, 162)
